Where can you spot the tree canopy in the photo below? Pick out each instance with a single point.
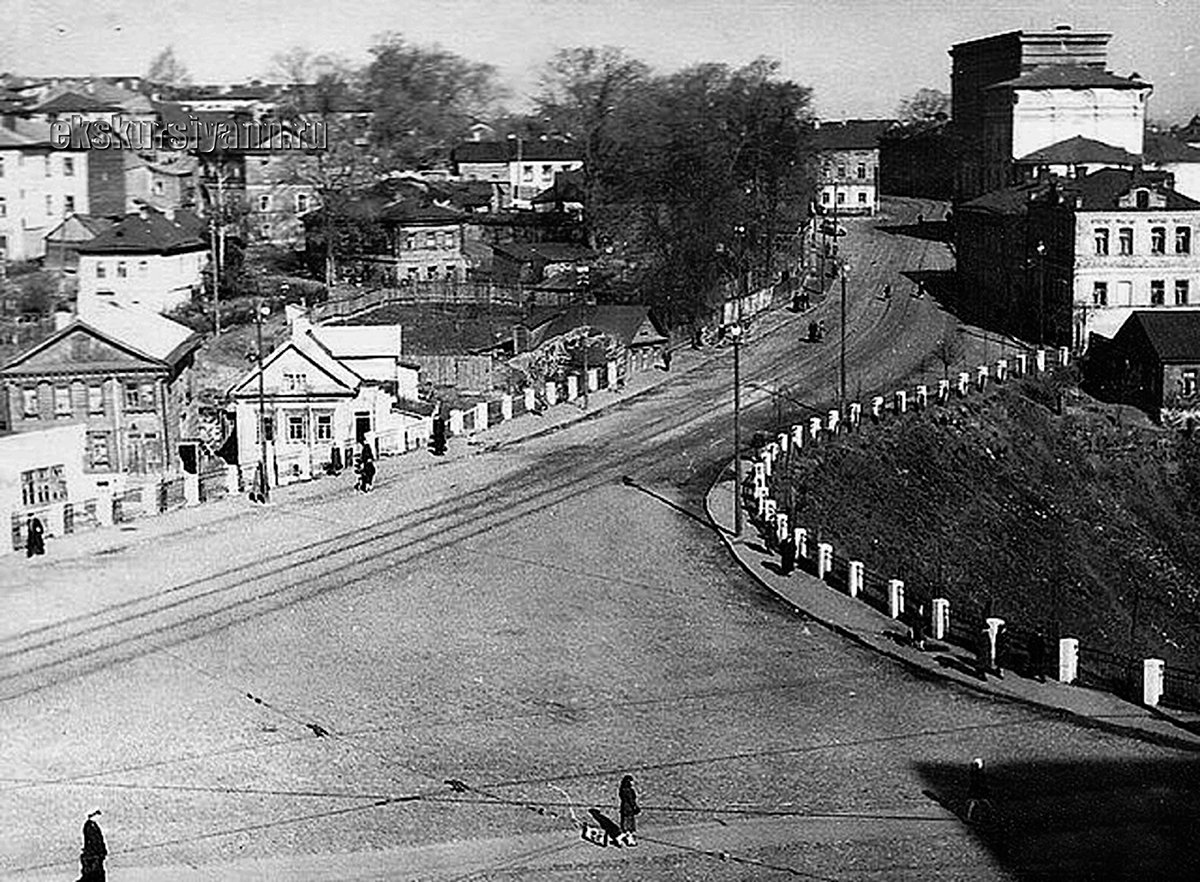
(167, 70)
(924, 105)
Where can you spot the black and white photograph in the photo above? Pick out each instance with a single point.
(546, 440)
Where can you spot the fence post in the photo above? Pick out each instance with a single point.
(922, 397)
(855, 414)
(456, 422)
(824, 559)
(1040, 360)
(801, 536)
(814, 429)
(798, 436)
(1152, 681)
(981, 377)
(855, 580)
(104, 506)
(1002, 370)
(506, 402)
(593, 379)
(1021, 368)
(1068, 659)
(611, 370)
(832, 422)
(902, 401)
(895, 598)
(551, 393)
(572, 387)
(941, 618)
(964, 383)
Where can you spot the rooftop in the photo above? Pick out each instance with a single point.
(1174, 334)
(516, 150)
(851, 134)
(1070, 76)
(149, 232)
(1079, 150)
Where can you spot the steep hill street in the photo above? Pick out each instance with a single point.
(284, 692)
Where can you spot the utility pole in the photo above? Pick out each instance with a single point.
(843, 364)
(736, 333)
(264, 489)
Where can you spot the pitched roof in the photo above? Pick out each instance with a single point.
(74, 102)
(1100, 190)
(516, 150)
(410, 211)
(1174, 333)
(148, 233)
(548, 252)
(1078, 150)
(1159, 148)
(622, 321)
(1006, 200)
(567, 187)
(307, 345)
(1070, 76)
(850, 134)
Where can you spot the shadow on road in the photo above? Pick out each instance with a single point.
(930, 230)
(1082, 820)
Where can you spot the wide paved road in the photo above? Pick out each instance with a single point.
(285, 694)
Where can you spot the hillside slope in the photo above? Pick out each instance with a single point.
(1088, 518)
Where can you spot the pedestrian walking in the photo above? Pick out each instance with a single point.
(35, 542)
(787, 554)
(666, 359)
(629, 805)
(1037, 656)
(366, 468)
(983, 652)
(1001, 650)
(91, 859)
(977, 790)
(917, 629)
(887, 291)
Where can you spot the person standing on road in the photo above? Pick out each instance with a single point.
(366, 467)
(91, 859)
(983, 652)
(787, 554)
(666, 359)
(1037, 656)
(977, 789)
(35, 542)
(629, 806)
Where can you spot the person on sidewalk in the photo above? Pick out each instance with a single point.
(35, 541)
(1037, 656)
(629, 806)
(366, 467)
(91, 859)
(917, 629)
(787, 554)
(983, 652)
(666, 359)
(1001, 651)
(977, 790)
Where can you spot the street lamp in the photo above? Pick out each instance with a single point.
(1041, 253)
(264, 484)
(845, 267)
(735, 334)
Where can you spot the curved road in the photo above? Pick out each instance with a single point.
(286, 692)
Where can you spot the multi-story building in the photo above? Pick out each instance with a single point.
(149, 259)
(428, 240)
(848, 165)
(521, 168)
(126, 374)
(39, 186)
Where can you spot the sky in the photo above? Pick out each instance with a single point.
(860, 57)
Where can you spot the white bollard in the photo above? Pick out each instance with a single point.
(1064, 356)
(832, 421)
(612, 374)
(943, 391)
(1002, 370)
(456, 422)
(768, 464)
(1021, 368)
(782, 440)
(1068, 659)
(814, 429)
(941, 618)
(981, 377)
(902, 401)
(798, 436)
(855, 414)
(824, 559)
(481, 416)
(895, 598)
(994, 624)
(506, 404)
(761, 504)
(964, 383)
(769, 513)
(922, 397)
(551, 393)
(801, 537)
(877, 407)
(191, 489)
(781, 526)
(854, 582)
(530, 399)
(1040, 360)
(1152, 681)
(593, 379)
(572, 387)
(760, 473)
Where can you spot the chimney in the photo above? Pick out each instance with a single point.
(297, 319)
(62, 318)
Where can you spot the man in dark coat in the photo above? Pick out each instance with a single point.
(1037, 656)
(34, 541)
(787, 554)
(91, 859)
(977, 789)
(629, 806)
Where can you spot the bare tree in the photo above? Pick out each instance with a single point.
(167, 70)
(949, 351)
(924, 105)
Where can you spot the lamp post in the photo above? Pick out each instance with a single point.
(264, 488)
(1041, 253)
(735, 334)
(842, 404)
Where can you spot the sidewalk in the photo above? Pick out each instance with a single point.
(873, 629)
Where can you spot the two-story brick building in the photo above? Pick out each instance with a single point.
(125, 373)
(848, 165)
(522, 168)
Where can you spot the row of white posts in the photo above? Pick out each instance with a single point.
(456, 416)
(769, 512)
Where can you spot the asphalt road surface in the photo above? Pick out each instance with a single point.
(285, 693)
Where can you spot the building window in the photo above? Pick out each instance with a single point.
(1188, 382)
(158, 188)
(264, 203)
(451, 274)
(296, 428)
(95, 399)
(301, 202)
(1142, 198)
(1158, 240)
(265, 231)
(3, 207)
(62, 400)
(1158, 292)
(68, 205)
(122, 270)
(49, 206)
(41, 486)
(547, 172)
(841, 171)
(98, 449)
(294, 382)
(861, 172)
(68, 166)
(841, 198)
(1125, 240)
(1100, 294)
(101, 269)
(409, 242)
(431, 272)
(29, 402)
(825, 197)
(268, 428)
(1, 166)
(143, 267)
(527, 173)
(46, 160)
(1181, 292)
(1183, 240)
(324, 427)
(133, 397)
(862, 198)
(1101, 239)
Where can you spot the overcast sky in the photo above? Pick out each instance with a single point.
(859, 56)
